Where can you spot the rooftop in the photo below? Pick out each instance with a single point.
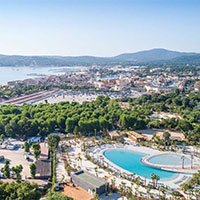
(135, 134)
(44, 151)
(43, 168)
(90, 179)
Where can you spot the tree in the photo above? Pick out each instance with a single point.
(76, 132)
(122, 190)
(57, 196)
(70, 124)
(37, 153)
(28, 191)
(191, 158)
(185, 186)
(33, 170)
(184, 125)
(176, 194)
(166, 135)
(104, 124)
(6, 169)
(96, 171)
(20, 191)
(2, 138)
(96, 197)
(61, 123)
(36, 146)
(153, 177)
(53, 141)
(157, 178)
(36, 150)
(183, 159)
(26, 146)
(17, 170)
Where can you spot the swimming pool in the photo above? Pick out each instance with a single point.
(131, 161)
(170, 159)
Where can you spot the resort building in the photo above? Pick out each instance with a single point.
(43, 169)
(44, 151)
(114, 135)
(89, 182)
(136, 137)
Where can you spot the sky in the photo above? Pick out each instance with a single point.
(98, 27)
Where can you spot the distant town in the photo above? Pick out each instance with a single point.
(116, 81)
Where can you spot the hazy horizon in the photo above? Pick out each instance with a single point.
(101, 28)
(97, 55)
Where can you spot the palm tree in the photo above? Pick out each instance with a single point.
(192, 157)
(163, 190)
(113, 181)
(130, 191)
(93, 139)
(100, 159)
(148, 191)
(96, 171)
(96, 197)
(153, 177)
(95, 133)
(78, 159)
(145, 181)
(157, 178)
(67, 151)
(175, 144)
(185, 187)
(166, 135)
(183, 159)
(190, 192)
(106, 187)
(137, 185)
(131, 184)
(197, 193)
(74, 165)
(122, 189)
(175, 194)
(154, 137)
(133, 176)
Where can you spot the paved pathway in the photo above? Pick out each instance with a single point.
(61, 173)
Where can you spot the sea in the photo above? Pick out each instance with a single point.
(20, 73)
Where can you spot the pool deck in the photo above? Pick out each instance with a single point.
(94, 152)
(175, 168)
(183, 175)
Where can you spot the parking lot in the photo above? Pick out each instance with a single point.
(16, 157)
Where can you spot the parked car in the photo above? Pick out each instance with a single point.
(1, 158)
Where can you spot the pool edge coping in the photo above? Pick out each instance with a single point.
(177, 169)
(178, 174)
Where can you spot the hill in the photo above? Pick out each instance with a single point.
(148, 57)
(152, 55)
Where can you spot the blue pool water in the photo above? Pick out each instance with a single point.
(169, 159)
(131, 161)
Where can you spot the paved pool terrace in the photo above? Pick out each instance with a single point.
(171, 161)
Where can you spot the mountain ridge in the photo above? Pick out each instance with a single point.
(158, 56)
(154, 54)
